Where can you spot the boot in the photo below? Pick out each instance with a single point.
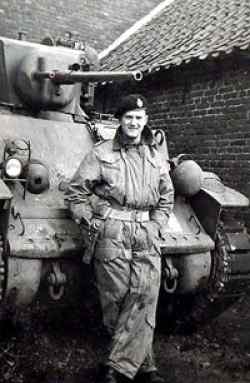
(110, 375)
(151, 377)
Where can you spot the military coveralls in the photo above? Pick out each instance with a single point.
(129, 191)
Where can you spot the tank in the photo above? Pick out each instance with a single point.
(206, 248)
(44, 134)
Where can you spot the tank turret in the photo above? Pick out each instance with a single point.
(40, 77)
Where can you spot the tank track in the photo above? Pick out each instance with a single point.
(224, 288)
(184, 313)
(221, 276)
(3, 270)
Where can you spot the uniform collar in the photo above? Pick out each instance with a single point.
(147, 138)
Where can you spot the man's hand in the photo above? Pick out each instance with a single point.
(153, 233)
(154, 229)
(91, 232)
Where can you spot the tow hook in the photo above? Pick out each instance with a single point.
(56, 280)
(170, 276)
(17, 215)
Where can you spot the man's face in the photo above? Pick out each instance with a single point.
(132, 123)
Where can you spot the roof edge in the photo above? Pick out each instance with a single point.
(135, 27)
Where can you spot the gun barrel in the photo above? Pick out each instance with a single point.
(71, 77)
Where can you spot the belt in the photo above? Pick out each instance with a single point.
(129, 215)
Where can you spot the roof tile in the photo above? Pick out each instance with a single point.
(184, 30)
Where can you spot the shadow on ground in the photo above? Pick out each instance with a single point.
(66, 346)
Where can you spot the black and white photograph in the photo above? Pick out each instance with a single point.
(125, 191)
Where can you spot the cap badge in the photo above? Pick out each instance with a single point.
(139, 103)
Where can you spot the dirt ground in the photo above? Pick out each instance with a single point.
(66, 346)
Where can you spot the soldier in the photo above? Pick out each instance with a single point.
(78, 43)
(66, 40)
(122, 196)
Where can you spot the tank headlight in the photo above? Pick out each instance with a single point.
(13, 167)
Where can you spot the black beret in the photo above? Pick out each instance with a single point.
(131, 102)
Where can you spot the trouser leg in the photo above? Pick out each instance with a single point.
(133, 336)
(148, 364)
(112, 279)
(128, 283)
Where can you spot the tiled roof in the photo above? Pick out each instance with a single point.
(184, 30)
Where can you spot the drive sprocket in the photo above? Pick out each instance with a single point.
(222, 290)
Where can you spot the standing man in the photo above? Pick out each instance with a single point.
(123, 193)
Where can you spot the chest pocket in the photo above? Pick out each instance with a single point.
(111, 169)
(153, 175)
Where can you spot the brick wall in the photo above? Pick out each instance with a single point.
(99, 22)
(204, 109)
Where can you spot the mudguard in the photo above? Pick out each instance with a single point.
(228, 197)
(223, 195)
(5, 193)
